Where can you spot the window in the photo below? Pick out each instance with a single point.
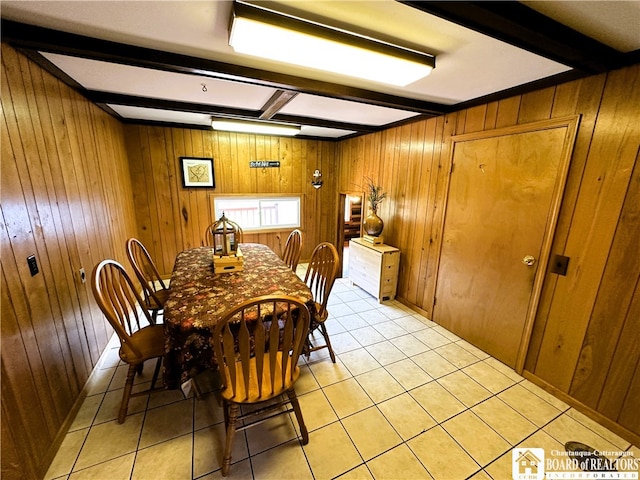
(260, 212)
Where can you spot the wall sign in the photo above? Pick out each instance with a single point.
(264, 164)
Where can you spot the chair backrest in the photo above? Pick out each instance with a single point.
(267, 350)
(293, 249)
(145, 270)
(120, 302)
(321, 274)
(208, 233)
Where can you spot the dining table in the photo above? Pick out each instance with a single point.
(200, 297)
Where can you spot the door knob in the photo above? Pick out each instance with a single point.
(529, 260)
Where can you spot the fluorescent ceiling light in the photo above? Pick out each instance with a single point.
(262, 128)
(267, 34)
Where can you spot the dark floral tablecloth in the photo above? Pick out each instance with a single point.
(199, 297)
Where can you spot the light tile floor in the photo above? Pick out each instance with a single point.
(406, 400)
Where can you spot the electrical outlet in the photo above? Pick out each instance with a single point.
(33, 265)
(83, 277)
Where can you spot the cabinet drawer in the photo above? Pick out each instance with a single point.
(390, 260)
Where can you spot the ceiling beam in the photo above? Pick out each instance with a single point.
(36, 38)
(108, 98)
(278, 100)
(523, 27)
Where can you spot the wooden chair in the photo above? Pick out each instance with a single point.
(154, 288)
(257, 355)
(293, 249)
(320, 276)
(208, 233)
(123, 306)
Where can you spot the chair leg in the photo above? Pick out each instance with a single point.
(231, 431)
(323, 330)
(156, 372)
(127, 393)
(225, 411)
(293, 398)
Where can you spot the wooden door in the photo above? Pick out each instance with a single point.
(504, 192)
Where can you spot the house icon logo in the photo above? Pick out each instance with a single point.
(528, 463)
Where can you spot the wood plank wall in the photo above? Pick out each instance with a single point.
(171, 218)
(585, 341)
(67, 199)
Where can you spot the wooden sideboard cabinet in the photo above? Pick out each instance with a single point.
(374, 268)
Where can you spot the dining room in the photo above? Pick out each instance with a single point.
(414, 385)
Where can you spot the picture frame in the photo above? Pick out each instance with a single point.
(197, 172)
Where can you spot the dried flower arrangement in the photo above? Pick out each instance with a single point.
(375, 195)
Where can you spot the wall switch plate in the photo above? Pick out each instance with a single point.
(33, 265)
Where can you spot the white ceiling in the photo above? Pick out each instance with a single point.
(469, 65)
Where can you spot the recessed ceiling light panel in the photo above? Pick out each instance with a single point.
(267, 34)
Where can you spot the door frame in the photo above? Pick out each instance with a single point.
(571, 123)
(342, 201)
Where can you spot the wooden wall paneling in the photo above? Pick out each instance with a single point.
(289, 177)
(611, 352)
(324, 208)
(385, 176)
(508, 111)
(626, 353)
(629, 417)
(460, 119)
(134, 144)
(329, 163)
(195, 227)
(618, 399)
(13, 443)
(584, 96)
(414, 216)
(261, 151)
(232, 154)
(535, 106)
(158, 173)
(41, 214)
(426, 209)
(182, 145)
(475, 119)
(94, 160)
(22, 178)
(73, 178)
(199, 141)
(607, 174)
(442, 158)
(491, 115)
(23, 379)
(66, 197)
(309, 160)
(398, 183)
(48, 231)
(180, 236)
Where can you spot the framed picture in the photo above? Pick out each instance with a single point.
(197, 172)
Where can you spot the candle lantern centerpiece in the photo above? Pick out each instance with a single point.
(227, 256)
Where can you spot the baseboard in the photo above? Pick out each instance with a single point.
(606, 422)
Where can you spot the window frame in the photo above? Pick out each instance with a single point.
(258, 197)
